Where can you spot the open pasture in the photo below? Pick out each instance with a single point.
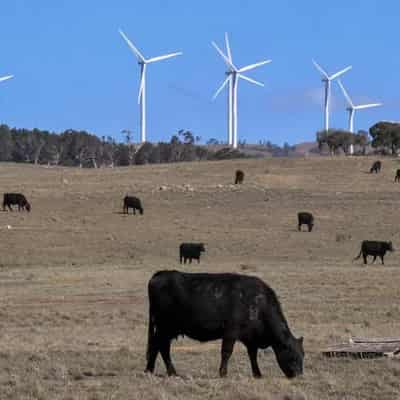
(74, 271)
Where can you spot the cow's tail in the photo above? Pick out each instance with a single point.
(358, 256)
(151, 333)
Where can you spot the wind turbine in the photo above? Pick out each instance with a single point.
(327, 80)
(353, 108)
(233, 74)
(143, 62)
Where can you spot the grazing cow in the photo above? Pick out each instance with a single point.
(230, 307)
(305, 218)
(190, 251)
(374, 248)
(239, 176)
(376, 167)
(397, 177)
(134, 203)
(19, 199)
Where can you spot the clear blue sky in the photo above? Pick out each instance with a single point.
(73, 70)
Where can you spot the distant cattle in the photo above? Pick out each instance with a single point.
(189, 251)
(397, 177)
(305, 218)
(18, 199)
(374, 248)
(239, 176)
(134, 203)
(376, 167)
(230, 307)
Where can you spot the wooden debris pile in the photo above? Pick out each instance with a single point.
(358, 347)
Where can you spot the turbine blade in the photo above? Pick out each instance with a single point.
(363, 106)
(228, 47)
(138, 54)
(346, 95)
(252, 66)
(224, 57)
(5, 78)
(320, 69)
(221, 87)
(246, 78)
(159, 58)
(334, 76)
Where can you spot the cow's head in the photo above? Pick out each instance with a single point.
(28, 207)
(290, 357)
(390, 246)
(201, 247)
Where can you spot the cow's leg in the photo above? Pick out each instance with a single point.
(365, 258)
(299, 227)
(198, 260)
(226, 352)
(152, 353)
(374, 259)
(252, 352)
(190, 260)
(134, 211)
(382, 259)
(165, 350)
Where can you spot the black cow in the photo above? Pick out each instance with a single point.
(376, 167)
(397, 177)
(134, 203)
(230, 307)
(19, 199)
(374, 248)
(305, 218)
(239, 176)
(188, 251)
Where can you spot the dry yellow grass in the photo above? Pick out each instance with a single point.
(73, 275)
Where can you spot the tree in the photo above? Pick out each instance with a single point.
(361, 139)
(386, 135)
(212, 141)
(335, 139)
(6, 143)
(143, 154)
(188, 137)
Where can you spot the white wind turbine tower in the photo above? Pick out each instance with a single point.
(233, 74)
(352, 110)
(327, 80)
(143, 62)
